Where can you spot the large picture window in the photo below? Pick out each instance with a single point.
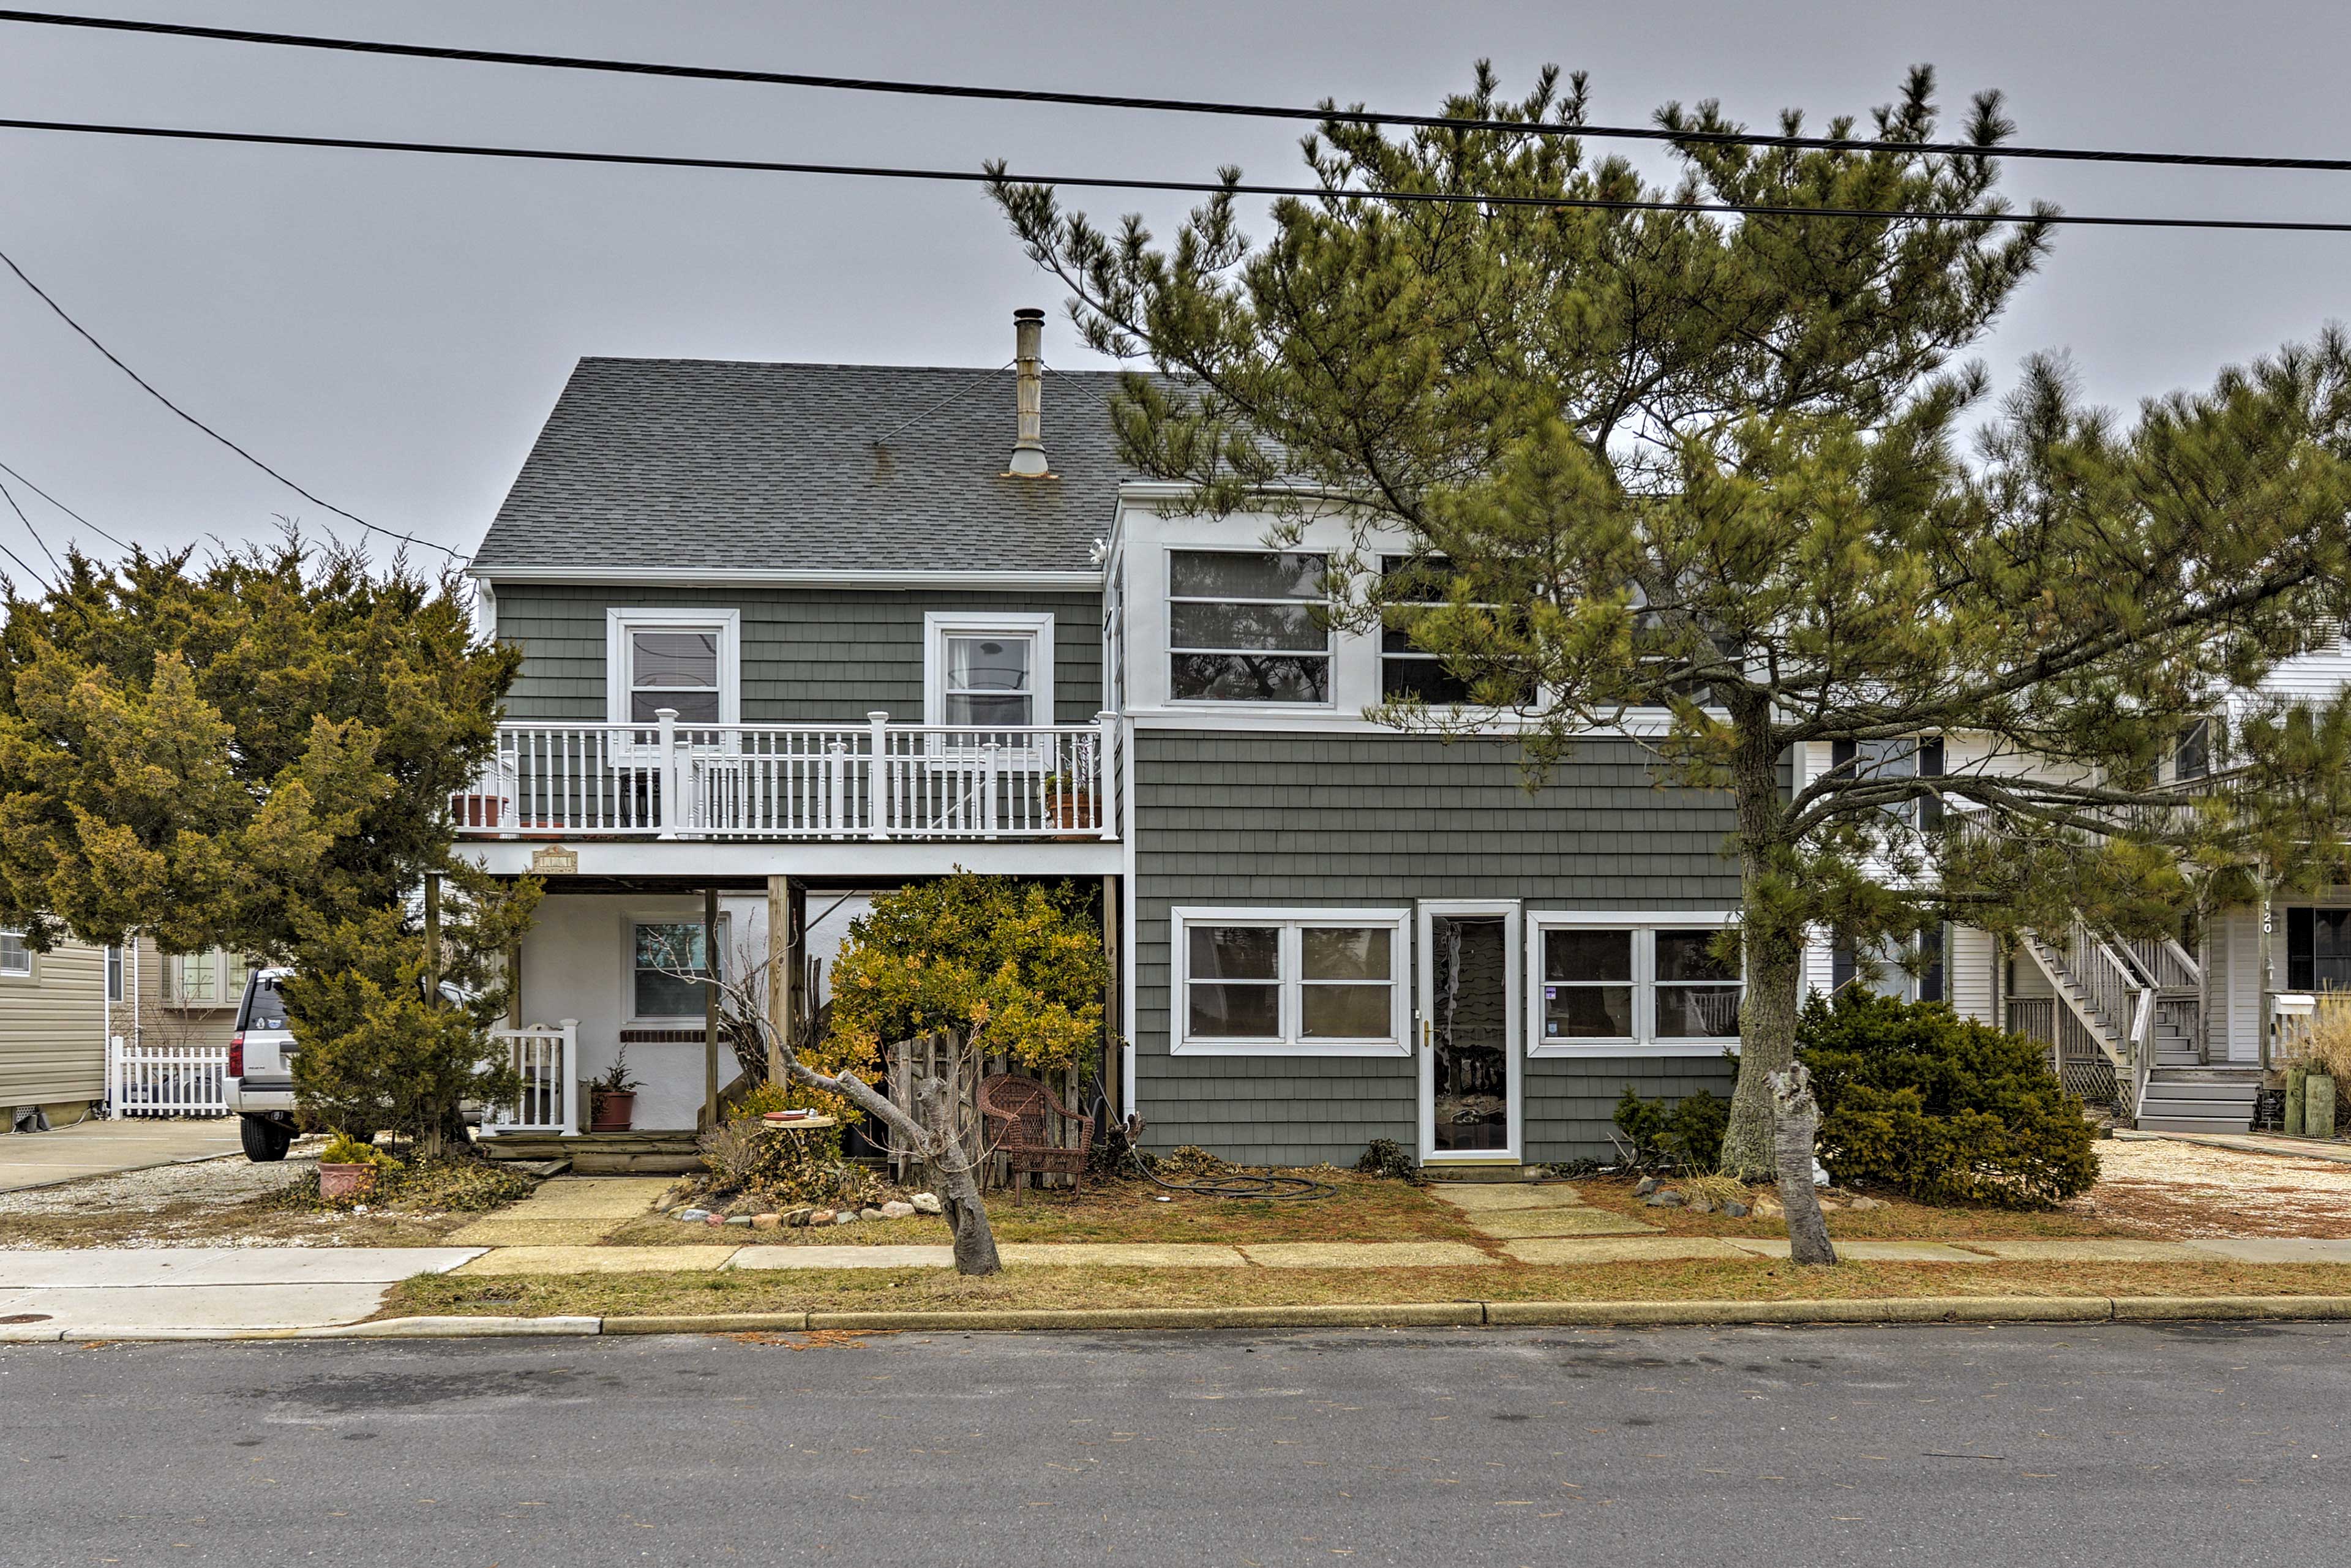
(1289, 981)
(1247, 626)
(1613, 982)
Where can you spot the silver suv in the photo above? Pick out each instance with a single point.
(261, 1069)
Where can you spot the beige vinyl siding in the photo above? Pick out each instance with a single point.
(1968, 959)
(53, 1028)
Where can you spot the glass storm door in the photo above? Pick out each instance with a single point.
(1469, 955)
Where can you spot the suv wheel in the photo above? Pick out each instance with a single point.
(264, 1139)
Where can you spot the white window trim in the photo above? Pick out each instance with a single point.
(1234, 705)
(630, 1017)
(619, 623)
(31, 972)
(1292, 921)
(939, 625)
(1646, 924)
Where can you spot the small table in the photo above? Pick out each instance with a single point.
(797, 1123)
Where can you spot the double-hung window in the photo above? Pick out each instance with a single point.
(1882, 761)
(1906, 976)
(1290, 982)
(670, 962)
(15, 958)
(985, 671)
(683, 660)
(1247, 627)
(1641, 982)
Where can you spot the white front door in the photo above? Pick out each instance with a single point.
(1468, 1030)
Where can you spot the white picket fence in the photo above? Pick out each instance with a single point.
(148, 1080)
(548, 1099)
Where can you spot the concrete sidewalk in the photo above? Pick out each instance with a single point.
(202, 1292)
(102, 1148)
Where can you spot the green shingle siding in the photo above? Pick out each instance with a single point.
(1378, 822)
(810, 655)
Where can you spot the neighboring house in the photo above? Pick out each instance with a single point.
(889, 647)
(59, 1008)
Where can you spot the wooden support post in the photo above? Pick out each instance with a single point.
(1110, 1076)
(514, 984)
(800, 1013)
(780, 993)
(710, 1008)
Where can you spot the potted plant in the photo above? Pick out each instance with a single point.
(1071, 803)
(347, 1168)
(613, 1099)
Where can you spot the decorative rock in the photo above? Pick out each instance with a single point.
(927, 1203)
(714, 1220)
(1735, 1209)
(846, 1216)
(1645, 1186)
(1666, 1198)
(689, 1215)
(1768, 1208)
(743, 1219)
(1861, 1203)
(1701, 1204)
(868, 1213)
(766, 1222)
(817, 1217)
(894, 1209)
(798, 1216)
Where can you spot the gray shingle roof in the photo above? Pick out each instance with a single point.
(729, 466)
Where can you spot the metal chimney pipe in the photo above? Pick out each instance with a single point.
(1028, 388)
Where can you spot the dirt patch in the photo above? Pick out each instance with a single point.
(1899, 1220)
(212, 1203)
(2157, 1187)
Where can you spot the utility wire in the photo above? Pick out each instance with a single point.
(149, 388)
(1160, 105)
(1239, 188)
(61, 506)
(34, 531)
(959, 392)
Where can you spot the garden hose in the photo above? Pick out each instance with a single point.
(1237, 1184)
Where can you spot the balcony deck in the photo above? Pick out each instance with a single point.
(876, 783)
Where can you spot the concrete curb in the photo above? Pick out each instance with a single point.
(1408, 1314)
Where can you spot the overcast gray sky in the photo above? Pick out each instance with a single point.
(390, 330)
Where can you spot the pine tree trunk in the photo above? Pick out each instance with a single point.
(1796, 1121)
(975, 1242)
(1771, 951)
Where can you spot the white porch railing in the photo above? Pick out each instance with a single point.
(878, 781)
(545, 1056)
(145, 1079)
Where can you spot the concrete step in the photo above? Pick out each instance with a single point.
(2161, 1084)
(2194, 1125)
(2197, 1110)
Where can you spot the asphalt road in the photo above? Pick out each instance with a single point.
(1758, 1446)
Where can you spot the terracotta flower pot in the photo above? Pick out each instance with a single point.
(1073, 814)
(612, 1112)
(339, 1182)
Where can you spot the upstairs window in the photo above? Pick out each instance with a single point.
(988, 671)
(114, 974)
(2192, 757)
(15, 958)
(685, 660)
(1888, 975)
(1907, 756)
(1247, 626)
(1407, 670)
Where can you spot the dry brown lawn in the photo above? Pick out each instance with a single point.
(914, 1290)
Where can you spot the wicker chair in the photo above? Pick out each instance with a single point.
(1014, 1109)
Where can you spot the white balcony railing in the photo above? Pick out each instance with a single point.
(878, 781)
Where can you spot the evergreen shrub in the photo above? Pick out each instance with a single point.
(1942, 1108)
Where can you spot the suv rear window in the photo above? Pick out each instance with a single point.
(264, 1008)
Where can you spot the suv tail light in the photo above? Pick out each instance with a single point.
(236, 1055)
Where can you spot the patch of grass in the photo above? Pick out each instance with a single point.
(1757, 1279)
(1363, 1208)
(192, 1222)
(1900, 1220)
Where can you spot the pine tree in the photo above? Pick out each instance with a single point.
(1716, 471)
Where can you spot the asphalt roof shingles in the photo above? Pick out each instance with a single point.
(722, 466)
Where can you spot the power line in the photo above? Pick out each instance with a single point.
(29, 529)
(1195, 187)
(61, 506)
(1157, 105)
(959, 392)
(149, 388)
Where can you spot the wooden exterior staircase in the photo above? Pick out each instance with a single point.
(2138, 1006)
